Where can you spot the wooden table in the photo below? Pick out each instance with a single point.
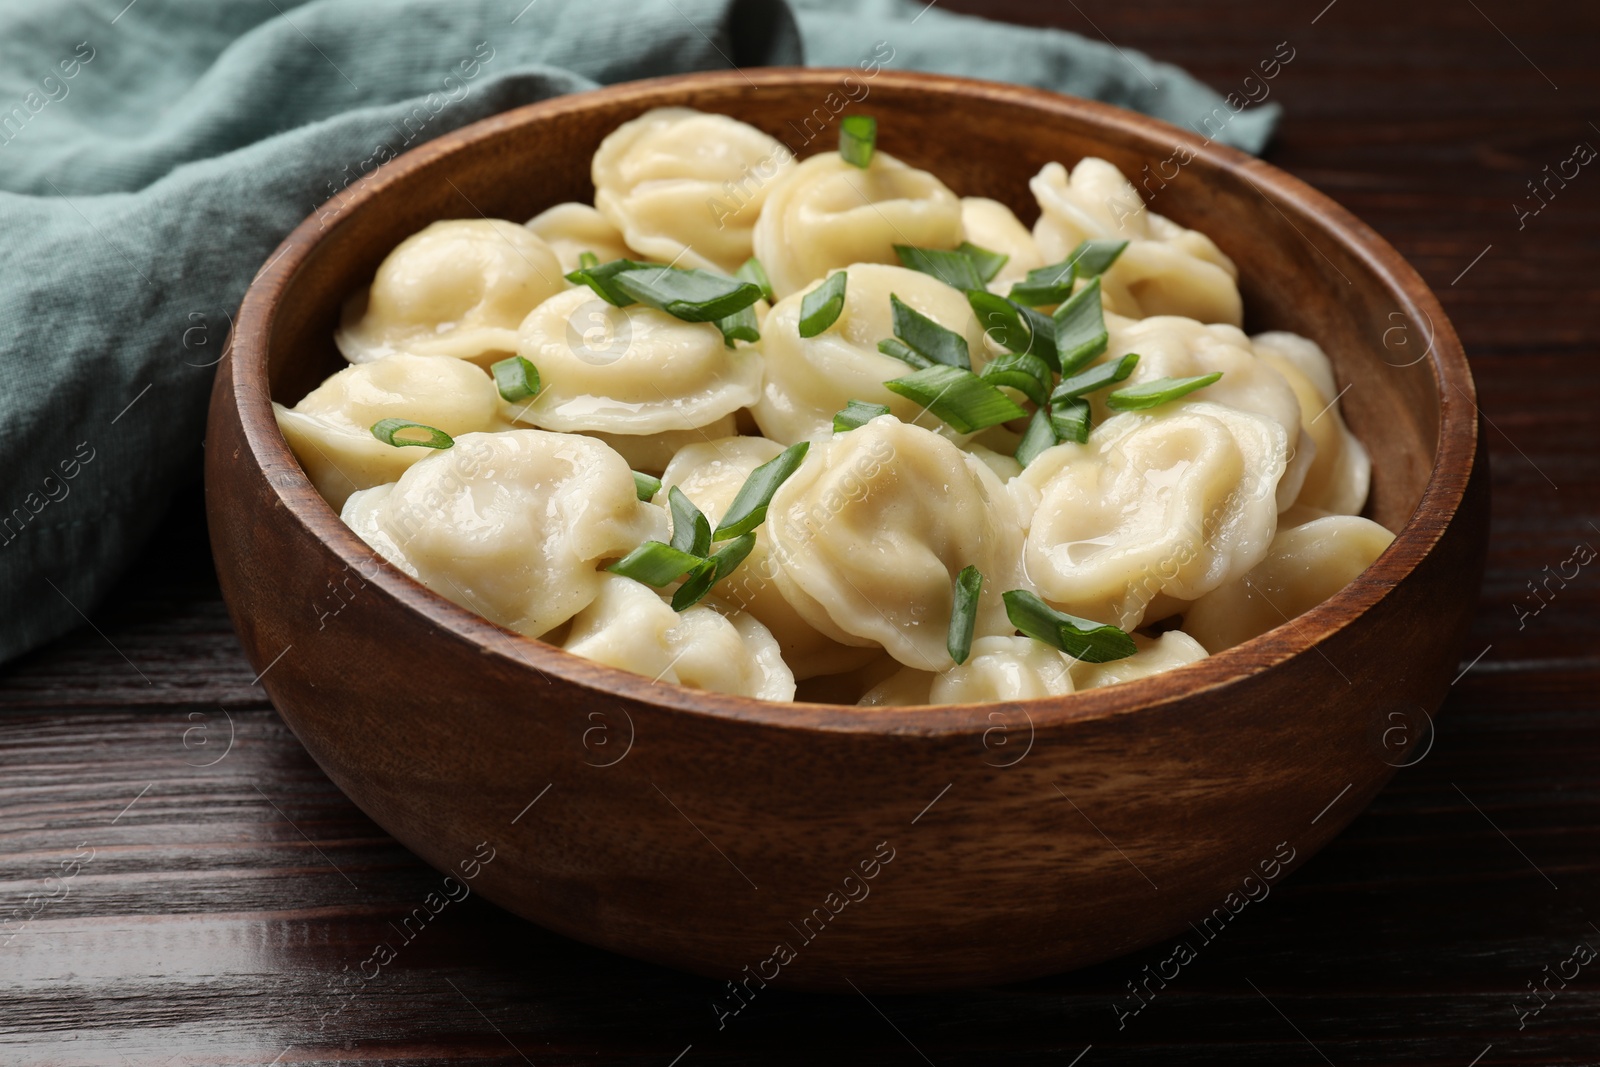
(215, 896)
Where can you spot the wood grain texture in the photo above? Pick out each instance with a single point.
(1407, 940)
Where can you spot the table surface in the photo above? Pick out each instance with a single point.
(214, 893)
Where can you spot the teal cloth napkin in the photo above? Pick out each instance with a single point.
(152, 156)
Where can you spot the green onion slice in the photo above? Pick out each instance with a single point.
(1070, 419)
(587, 260)
(1045, 285)
(691, 295)
(959, 397)
(712, 570)
(857, 414)
(691, 530)
(753, 272)
(1094, 257)
(654, 563)
(602, 279)
(858, 136)
(821, 307)
(1014, 327)
(955, 269)
(988, 263)
(403, 432)
(1096, 377)
(1080, 328)
(1084, 639)
(1155, 393)
(644, 486)
(964, 613)
(1039, 436)
(740, 326)
(516, 378)
(1028, 374)
(749, 507)
(928, 337)
(893, 346)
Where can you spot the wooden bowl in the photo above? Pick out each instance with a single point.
(816, 846)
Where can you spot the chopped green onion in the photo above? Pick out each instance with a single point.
(690, 295)
(1080, 328)
(587, 260)
(1094, 257)
(1070, 419)
(1039, 436)
(1026, 373)
(858, 136)
(964, 613)
(516, 378)
(601, 279)
(959, 397)
(403, 432)
(691, 530)
(1014, 327)
(654, 563)
(1096, 377)
(1155, 393)
(955, 269)
(928, 337)
(1045, 285)
(822, 305)
(753, 272)
(740, 326)
(988, 263)
(644, 486)
(856, 414)
(749, 507)
(712, 570)
(1084, 639)
(893, 346)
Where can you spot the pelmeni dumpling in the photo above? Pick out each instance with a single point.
(457, 288)
(871, 531)
(330, 429)
(711, 473)
(826, 214)
(629, 626)
(571, 229)
(632, 370)
(1172, 347)
(1305, 565)
(1177, 503)
(685, 187)
(990, 224)
(1004, 668)
(515, 525)
(651, 452)
(1171, 650)
(1340, 472)
(809, 379)
(1165, 270)
(904, 688)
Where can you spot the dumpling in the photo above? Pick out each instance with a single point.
(515, 526)
(632, 370)
(1305, 566)
(1004, 668)
(870, 533)
(710, 473)
(904, 688)
(1172, 347)
(1165, 270)
(651, 452)
(1178, 503)
(990, 224)
(330, 429)
(809, 379)
(1340, 472)
(685, 187)
(1171, 650)
(456, 288)
(629, 626)
(571, 229)
(826, 214)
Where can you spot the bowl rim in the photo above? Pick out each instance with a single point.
(1441, 497)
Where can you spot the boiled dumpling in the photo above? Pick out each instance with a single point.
(827, 214)
(870, 533)
(330, 429)
(651, 452)
(1340, 471)
(685, 187)
(632, 370)
(809, 379)
(1004, 668)
(1178, 503)
(1305, 566)
(515, 526)
(629, 626)
(710, 473)
(457, 288)
(991, 225)
(1165, 270)
(1171, 650)
(571, 229)
(904, 688)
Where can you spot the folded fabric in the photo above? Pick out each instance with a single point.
(152, 155)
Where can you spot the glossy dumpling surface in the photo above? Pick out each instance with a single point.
(1340, 472)
(1156, 655)
(571, 229)
(1004, 668)
(991, 225)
